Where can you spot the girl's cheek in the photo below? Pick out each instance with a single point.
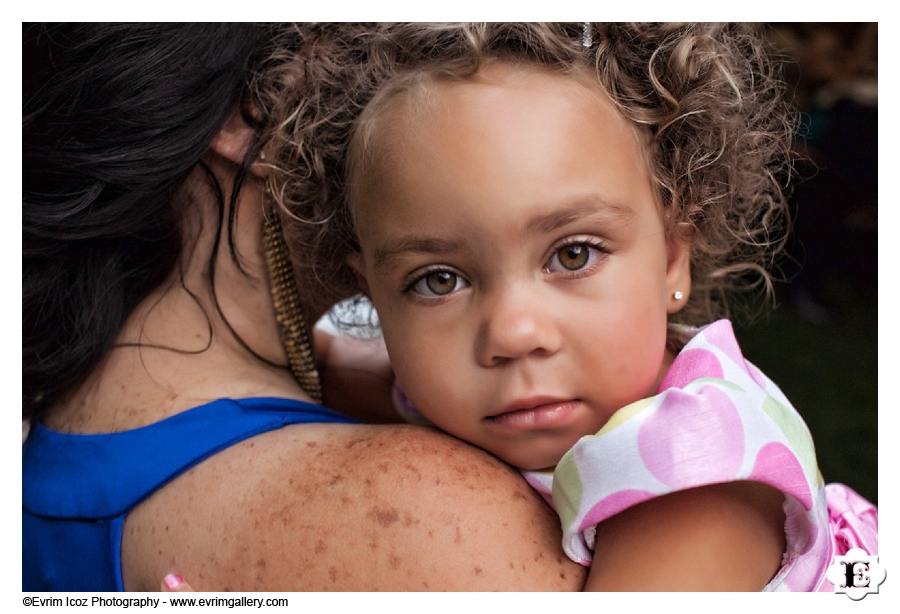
(420, 353)
(628, 343)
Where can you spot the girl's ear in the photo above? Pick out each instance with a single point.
(233, 140)
(355, 262)
(678, 273)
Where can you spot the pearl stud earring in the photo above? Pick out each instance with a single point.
(678, 295)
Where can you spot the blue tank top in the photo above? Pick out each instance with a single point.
(78, 489)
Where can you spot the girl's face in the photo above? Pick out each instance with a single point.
(513, 247)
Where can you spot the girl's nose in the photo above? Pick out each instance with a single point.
(516, 327)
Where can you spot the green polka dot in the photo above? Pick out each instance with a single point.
(623, 415)
(796, 433)
(567, 490)
(715, 381)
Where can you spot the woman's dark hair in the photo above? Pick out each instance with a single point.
(115, 117)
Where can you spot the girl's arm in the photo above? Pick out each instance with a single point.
(357, 379)
(724, 537)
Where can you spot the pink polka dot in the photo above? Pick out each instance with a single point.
(756, 374)
(612, 505)
(690, 365)
(721, 335)
(693, 439)
(777, 466)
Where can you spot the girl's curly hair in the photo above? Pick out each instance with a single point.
(709, 98)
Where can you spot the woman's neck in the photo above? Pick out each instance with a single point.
(179, 349)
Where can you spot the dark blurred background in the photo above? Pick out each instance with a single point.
(819, 344)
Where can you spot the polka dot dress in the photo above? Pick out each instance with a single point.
(716, 418)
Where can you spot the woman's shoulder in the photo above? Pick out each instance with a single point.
(294, 509)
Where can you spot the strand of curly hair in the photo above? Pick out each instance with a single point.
(708, 98)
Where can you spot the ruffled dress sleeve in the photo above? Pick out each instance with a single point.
(716, 418)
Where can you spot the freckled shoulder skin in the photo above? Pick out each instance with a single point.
(320, 507)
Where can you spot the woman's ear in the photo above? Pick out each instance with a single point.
(678, 272)
(355, 262)
(234, 139)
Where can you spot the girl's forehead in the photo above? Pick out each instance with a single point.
(503, 145)
(510, 85)
(405, 102)
(505, 123)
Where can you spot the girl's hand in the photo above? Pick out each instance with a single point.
(357, 378)
(173, 583)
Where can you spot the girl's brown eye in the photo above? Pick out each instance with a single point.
(441, 282)
(573, 257)
(437, 283)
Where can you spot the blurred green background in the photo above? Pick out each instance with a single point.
(828, 371)
(819, 344)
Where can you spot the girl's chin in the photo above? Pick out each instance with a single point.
(530, 459)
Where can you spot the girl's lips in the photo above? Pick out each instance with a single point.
(543, 416)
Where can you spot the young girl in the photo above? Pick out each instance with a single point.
(541, 214)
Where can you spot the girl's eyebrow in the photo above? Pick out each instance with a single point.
(585, 207)
(385, 255)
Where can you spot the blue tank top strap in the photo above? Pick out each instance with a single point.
(105, 475)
